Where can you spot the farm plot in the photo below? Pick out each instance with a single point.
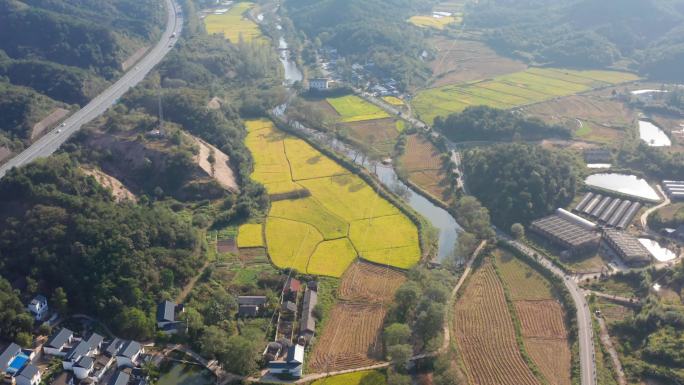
(598, 119)
(422, 163)
(368, 282)
(370, 377)
(340, 216)
(234, 24)
(513, 90)
(250, 235)
(380, 135)
(352, 108)
(542, 322)
(486, 335)
(435, 21)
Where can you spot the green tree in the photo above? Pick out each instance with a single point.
(400, 355)
(242, 355)
(518, 231)
(60, 302)
(396, 334)
(133, 323)
(406, 299)
(13, 318)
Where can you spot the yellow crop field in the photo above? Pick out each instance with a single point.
(309, 210)
(387, 240)
(250, 235)
(430, 21)
(332, 258)
(290, 243)
(349, 197)
(234, 24)
(308, 163)
(370, 377)
(354, 109)
(513, 90)
(393, 100)
(311, 232)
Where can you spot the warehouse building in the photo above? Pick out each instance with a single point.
(608, 211)
(568, 231)
(674, 189)
(626, 246)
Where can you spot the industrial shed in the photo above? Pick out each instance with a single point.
(578, 238)
(626, 247)
(674, 189)
(609, 211)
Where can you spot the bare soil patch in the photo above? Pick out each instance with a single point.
(220, 169)
(379, 134)
(53, 118)
(460, 61)
(226, 246)
(119, 191)
(214, 103)
(422, 162)
(4, 153)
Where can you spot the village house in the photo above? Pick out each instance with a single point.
(250, 305)
(28, 375)
(307, 325)
(129, 355)
(319, 84)
(166, 317)
(84, 348)
(59, 343)
(38, 307)
(120, 378)
(292, 365)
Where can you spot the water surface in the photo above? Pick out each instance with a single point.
(653, 135)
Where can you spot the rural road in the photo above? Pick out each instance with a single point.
(584, 324)
(52, 140)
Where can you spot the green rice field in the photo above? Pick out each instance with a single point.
(513, 90)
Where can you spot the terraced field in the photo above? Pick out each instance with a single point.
(486, 336)
(541, 316)
(513, 90)
(234, 24)
(430, 21)
(330, 215)
(352, 336)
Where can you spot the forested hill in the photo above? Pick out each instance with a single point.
(644, 35)
(366, 30)
(62, 53)
(89, 34)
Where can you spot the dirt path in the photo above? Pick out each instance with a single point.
(644, 216)
(623, 300)
(191, 284)
(608, 344)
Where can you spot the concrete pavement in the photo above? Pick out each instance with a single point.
(51, 141)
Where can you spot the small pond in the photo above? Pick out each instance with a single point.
(623, 184)
(177, 373)
(653, 135)
(660, 253)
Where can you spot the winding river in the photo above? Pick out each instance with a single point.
(439, 218)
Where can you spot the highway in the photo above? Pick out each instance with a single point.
(53, 139)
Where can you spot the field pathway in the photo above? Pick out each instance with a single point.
(608, 344)
(644, 216)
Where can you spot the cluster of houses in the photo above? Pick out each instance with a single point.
(367, 76)
(286, 354)
(84, 360)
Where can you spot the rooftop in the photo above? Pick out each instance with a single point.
(255, 300)
(566, 231)
(628, 246)
(130, 349)
(60, 338)
(166, 312)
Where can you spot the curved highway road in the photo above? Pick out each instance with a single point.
(52, 140)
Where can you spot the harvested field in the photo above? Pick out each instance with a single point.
(552, 357)
(460, 61)
(422, 163)
(220, 169)
(234, 24)
(53, 118)
(513, 90)
(541, 317)
(523, 282)
(225, 246)
(350, 339)
(119, 191)
(253, 255)
(485, 333)
(368, 282)
(322, 229)
(613, 312)
(378, 134)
